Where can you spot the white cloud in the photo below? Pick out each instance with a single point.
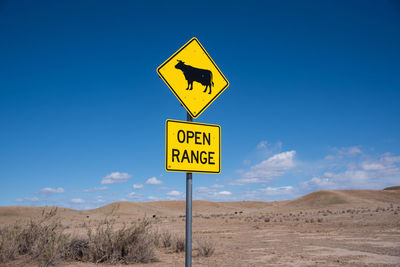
(213, 194)
(262, 144)
(246, 162)
(116, 178)
(262, 194)
(340, 153)
(175, 194)
(348, 179)
(152, 198)
(274, 191)
(52, 190)
(268, 148)
(135, 195)
(132, 195)
(217, 186)
(48, 191)
(387, 157)
(281, 161)
(27, 199)
(330, 157)
(372, 166)
(270, 193)
(77, 201)
(268, 169)
(137, 186)
(203, 189)
(374, 173)
(95, 189)
(353, 150)
(98, 199)
(153, 180)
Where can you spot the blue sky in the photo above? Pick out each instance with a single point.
(313, 101)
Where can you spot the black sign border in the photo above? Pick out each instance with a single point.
(180, 100)
(191, 171)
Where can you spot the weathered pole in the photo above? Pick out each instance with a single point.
(188, 251)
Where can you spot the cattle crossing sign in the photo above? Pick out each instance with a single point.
(193, 77)
(192, 147)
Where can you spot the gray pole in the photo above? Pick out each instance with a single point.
(188, 251)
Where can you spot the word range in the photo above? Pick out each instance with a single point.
(192, 147)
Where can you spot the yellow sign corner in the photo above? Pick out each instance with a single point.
(193, 77)
(192, 147)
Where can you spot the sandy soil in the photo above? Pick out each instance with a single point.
(325, 228)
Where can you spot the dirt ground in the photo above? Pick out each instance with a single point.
(326, 228)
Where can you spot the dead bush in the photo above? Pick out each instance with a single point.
(131, 244)
(8, 243)
(205, 247)
(78, 249)
(179, 244)
(43, 241)
(50, 246)
(166, 239)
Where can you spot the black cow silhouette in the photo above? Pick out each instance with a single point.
(193, 74)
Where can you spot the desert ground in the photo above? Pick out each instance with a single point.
(324, 228)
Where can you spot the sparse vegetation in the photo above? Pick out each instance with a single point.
(41, 240)
(179, 244)
(105, 238)
(44, 242)
(131, 244)
(166, 239)
(205, 247)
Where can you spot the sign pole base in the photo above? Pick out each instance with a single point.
(188, 248)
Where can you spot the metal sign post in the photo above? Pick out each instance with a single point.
(196, 81)
(188, 251)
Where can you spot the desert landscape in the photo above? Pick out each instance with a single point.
(324, 228)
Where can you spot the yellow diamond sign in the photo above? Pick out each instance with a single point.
(193, 77)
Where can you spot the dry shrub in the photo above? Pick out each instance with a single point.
(166, 239)
(205, 247)
(8, 244)
(179, 244)
(41, 240)
(175, 242)
(44, 242)
(77, 249)
(131, 244)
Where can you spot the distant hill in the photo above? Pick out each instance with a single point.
(345, 197)
(393, 188)
(315, 200)
(177, 207)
